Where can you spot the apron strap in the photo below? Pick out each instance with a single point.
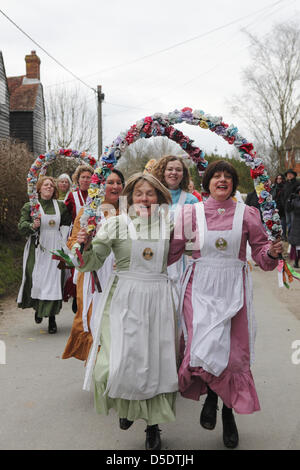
(200, 220)
(237, 224)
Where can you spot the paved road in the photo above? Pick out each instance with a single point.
(42, 405)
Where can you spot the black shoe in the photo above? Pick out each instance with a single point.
(74, 305)
(52, 328)
(153, 441)
(208, 416)
(230, 432)
(125, 423)
(37, 319)
(296, 265)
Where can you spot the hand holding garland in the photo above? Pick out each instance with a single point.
(275, 249)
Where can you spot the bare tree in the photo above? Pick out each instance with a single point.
(270, 105)
(71, 121)
(140, 152)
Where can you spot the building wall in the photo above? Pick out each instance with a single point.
(39, 125)
(293, 160)
(4, 102)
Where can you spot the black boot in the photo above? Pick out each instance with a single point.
(153, 441)
(208, 416)
(125, 423)
(230, 432)
(37, 319)
(296, 264)
(52, 328)
(74, 305)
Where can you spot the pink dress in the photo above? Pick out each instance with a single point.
(235, 385)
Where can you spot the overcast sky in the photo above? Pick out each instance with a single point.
(153, 56)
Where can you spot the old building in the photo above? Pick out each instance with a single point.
(4, 102)
(292, 147)
(27, 108)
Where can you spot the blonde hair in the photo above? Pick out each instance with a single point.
(163, 194)
(80, 169)
(40, 182)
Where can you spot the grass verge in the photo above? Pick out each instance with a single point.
(11, 259)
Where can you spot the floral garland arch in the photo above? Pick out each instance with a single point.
(39, 168)
(163, 125)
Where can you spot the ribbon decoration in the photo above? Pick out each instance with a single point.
(286, 274)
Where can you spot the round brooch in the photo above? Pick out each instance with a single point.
(221, 244)
(148, 254)
(51, 223)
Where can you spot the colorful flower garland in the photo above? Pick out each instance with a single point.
(40, 166)
(162, 125)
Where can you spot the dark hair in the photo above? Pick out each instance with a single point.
(222, 166)
(120, 175)
(282, 176)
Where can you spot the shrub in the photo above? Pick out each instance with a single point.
(15, 162)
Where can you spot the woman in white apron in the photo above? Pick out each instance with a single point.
(41, 287)
(74, 202)
(174, 174)
(218, 321)
(135, 371)
(87, 294)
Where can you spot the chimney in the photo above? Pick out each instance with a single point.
(32, 65)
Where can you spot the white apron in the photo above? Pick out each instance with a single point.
(89, 296)
(176, 270)
(217, 293)
(46, 277)
(25, 258)
(142, 329)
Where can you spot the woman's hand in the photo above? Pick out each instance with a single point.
(83, 237)
(275, 248)
(36, 223)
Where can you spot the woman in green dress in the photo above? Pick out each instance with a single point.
(135, 370)
(41, 287)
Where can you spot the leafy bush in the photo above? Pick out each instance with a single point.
(15, 162)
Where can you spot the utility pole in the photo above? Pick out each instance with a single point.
(100, 97)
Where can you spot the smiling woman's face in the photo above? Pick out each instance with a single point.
(144, 198)
(220, 186)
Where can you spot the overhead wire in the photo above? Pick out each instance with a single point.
(206, 71)
(173, 46)
(46, 52)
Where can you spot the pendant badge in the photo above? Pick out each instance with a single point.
(148, 254)
(221, 244)
(51, 223)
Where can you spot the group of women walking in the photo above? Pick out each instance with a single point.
(175, 311)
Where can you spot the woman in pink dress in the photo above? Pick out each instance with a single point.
(218, 322)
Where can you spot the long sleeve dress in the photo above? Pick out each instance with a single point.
(135, 371)
(74, 202)
(87, 296)
(218, 323)
(47, 306)
(176, 270)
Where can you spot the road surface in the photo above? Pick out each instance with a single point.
(43, 406)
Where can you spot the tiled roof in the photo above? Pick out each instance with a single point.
(22, 97)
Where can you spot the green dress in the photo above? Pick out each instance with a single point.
(160, 408)
(44, 308)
